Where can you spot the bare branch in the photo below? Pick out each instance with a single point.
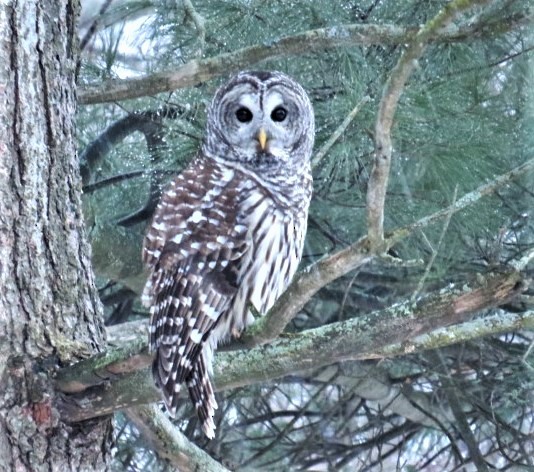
(354, 339)
(378, 179)
(500, 323)
(461, 423)
(200, 70)
(169, 442)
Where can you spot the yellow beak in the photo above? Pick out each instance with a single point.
(262, 138)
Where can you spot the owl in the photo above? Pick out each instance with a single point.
(228, 232)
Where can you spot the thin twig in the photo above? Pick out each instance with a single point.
(90, 188)
(289, 425)
(435, 251)
(199, 22)
(338, 132)
(451, 389)
(94, 25)
(468, 199)
(340, 316)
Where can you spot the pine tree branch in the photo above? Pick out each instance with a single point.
(307, 282)
(450, 389)
(378, 179)
(112, 366)
(169, 442)
(313, 278)
(354, 339)
(201, 70)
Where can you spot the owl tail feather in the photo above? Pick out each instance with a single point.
(198, 384)
(202, 396)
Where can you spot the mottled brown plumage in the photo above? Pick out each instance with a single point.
(228, 231)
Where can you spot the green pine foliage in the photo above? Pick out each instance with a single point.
(465, 117)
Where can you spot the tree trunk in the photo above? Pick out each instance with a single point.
(50, 314)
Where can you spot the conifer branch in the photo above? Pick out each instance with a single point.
(313, 278)
(167, 440)
(130, 355)
(200, 70)
(378, 180)
(354, 339)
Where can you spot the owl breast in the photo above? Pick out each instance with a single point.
(276, 235)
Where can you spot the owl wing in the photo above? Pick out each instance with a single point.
(193, 249)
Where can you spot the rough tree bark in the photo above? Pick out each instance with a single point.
(50, 314)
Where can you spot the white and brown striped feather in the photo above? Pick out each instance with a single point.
(207, 268)
(193, 278)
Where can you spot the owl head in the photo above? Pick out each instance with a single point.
(263, 120)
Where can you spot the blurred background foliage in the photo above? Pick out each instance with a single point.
(466, 116)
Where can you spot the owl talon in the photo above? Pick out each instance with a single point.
(236, 334)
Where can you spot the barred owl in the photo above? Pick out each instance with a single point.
(228, 232)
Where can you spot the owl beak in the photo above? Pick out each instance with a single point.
(262, 139)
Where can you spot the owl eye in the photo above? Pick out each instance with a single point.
(244, 115)
(279, 114)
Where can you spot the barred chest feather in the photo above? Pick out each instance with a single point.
(277, 239)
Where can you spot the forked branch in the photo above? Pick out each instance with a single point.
(378, 180)
(102, 388)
